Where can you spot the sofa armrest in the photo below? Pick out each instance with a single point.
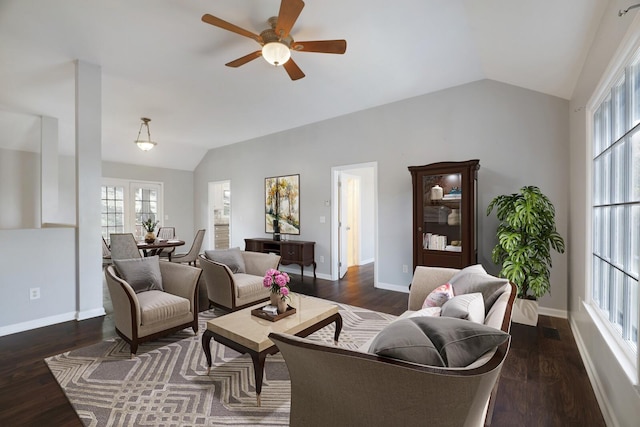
(126, 308)
(219, 281)
(257, 263)
(425, 280)
(181, 280)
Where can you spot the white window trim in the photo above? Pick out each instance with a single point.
(627, 50)
(129, 211)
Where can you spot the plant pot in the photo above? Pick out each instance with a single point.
(525, 311)
(149, 237)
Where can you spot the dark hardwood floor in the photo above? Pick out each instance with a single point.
(543, 381)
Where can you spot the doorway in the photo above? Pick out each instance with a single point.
(220, 214)
(354, 217)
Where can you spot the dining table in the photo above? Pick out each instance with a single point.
(156, 248)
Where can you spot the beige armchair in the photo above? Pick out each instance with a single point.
(147, 315)
(233, 291)
(357, 388)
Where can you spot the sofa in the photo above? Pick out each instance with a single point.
(336, 386)
(233, 278)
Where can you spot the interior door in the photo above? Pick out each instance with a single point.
(343, 227)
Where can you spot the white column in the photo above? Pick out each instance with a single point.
(88, 178)
(49, 166)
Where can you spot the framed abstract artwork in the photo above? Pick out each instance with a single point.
(282, 204)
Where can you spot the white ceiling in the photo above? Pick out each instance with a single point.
(159, 60)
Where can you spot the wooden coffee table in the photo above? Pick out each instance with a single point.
(245, 333)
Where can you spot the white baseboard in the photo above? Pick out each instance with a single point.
(601, 397)
(366, 261)
(553, 312)
(37, 323)
(391, 287)
(88, 314)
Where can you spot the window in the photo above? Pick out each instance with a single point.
(615, 216)
(112, 210)
(125, 204)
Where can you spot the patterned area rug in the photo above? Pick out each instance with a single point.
(167, 383)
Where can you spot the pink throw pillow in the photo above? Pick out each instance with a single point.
(439, 296)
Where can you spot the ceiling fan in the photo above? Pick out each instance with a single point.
(277, 42)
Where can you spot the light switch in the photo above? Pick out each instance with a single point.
(322, 220)
(166, 217)
(327, 203)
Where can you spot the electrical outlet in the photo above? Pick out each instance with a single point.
(321, 258)
(405, 268)
(34, 293)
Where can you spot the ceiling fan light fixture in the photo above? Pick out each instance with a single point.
(276, 53)
(145, 144)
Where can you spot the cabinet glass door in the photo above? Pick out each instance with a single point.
(442, 203)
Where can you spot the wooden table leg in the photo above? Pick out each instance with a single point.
(258, 368)
(336, 335)
(206, 341)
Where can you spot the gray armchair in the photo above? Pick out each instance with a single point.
(233, 291)
(147, 315)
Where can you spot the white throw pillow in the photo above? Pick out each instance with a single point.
(427, 311)
(465, 306)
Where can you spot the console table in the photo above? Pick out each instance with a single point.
(291, 251)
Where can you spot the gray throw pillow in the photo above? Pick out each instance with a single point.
(465, 306)
(458, 342)
(142, 274)
(475, 279)
(405, 341)
(232, 258)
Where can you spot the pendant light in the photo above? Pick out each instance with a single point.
(145, 144)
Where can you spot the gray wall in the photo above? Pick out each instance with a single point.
(55, 248)
(178, 194)
(19, 189)
(619, 398)
(520, 136)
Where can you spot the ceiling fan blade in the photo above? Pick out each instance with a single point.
(293, 70)
(217, 22)
(321, 46)
(289, 12)
(247, 58)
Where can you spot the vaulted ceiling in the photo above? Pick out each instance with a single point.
(159, 60)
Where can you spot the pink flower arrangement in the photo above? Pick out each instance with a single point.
(277, 281)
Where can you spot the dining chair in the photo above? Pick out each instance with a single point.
(106, 253)
(191, 256)
(124, 246)
(167, 233)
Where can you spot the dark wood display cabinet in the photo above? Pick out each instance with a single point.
(445, 214)
(291, 251)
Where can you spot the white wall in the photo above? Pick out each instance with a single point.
(367, 207)
(520, 136)
(619, 399)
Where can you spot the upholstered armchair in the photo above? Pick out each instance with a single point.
(236, 283)
(362, 388)
(148, 314)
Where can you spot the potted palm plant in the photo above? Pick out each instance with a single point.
(526, 234)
